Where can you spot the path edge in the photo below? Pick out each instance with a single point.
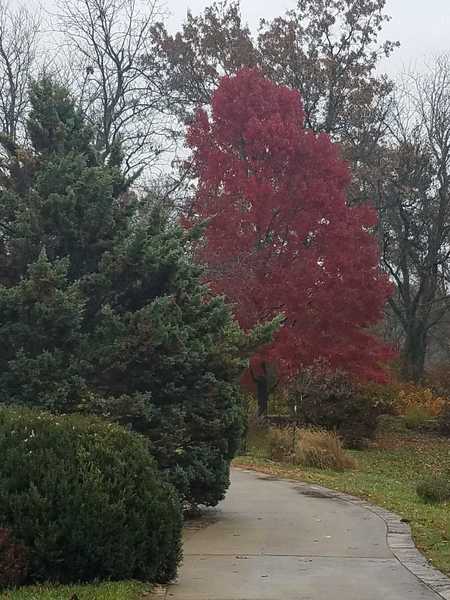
(398, 535)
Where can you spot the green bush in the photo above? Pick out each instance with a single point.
(331, 400)
(85, 499)
(435, 488)
(417, 417)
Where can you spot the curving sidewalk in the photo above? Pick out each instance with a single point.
(283, 540)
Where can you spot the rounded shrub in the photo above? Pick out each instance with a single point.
(328, 399)
(435, 488)
(86, 500)
(418, 418)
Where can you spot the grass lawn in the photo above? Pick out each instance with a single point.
(386, 475)
(128, 590)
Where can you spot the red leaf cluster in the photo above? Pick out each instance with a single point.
(281, 237)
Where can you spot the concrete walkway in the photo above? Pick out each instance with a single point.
(275, 540)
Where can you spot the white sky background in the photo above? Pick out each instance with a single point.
(422, 26)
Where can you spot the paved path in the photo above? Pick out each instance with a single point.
(269, 540)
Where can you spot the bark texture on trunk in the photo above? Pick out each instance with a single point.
(413, 355)
(262, 395)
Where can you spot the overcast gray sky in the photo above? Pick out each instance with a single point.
(422, 26)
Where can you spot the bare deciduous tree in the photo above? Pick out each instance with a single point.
(413, 192)
(107, 41)
(19, 30)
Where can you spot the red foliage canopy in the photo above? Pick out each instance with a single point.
(280, 236)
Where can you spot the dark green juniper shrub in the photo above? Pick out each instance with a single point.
(40, 328)
(103, 309)
(86, 500)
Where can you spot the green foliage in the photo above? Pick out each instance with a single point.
(85, 498)
(331, 400)
(108, 590)
(103, 309)
(435, 488)
(55, 125)
(170, 357)
(417, 417)
(58, 196)
(279, 403)
(40, 328)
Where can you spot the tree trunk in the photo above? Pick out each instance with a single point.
(413, 355)
(262, 395)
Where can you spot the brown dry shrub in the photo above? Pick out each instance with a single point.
(322, 449)
(418, 399)
(331, 400)
(281, 444)
(315, 448)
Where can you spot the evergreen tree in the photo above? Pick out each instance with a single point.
(102, 308)
(40, 331)
(170, 355)
(57, 196)
(55, 126)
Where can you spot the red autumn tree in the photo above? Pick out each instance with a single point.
(281, 237)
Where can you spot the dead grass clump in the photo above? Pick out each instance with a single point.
(315, 448)
(322, 449)
(281, 444)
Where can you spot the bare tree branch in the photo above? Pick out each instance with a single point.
(19, 30)
(123, 99)
(414, 206)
